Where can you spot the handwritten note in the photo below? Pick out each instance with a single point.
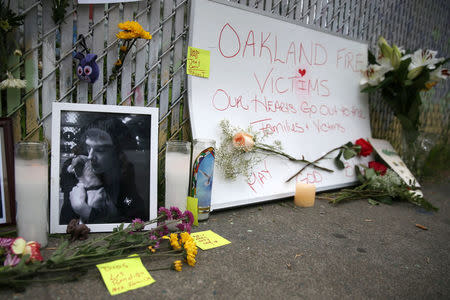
(206, 240)
(192, 206)
(124, 275)
(198, 62)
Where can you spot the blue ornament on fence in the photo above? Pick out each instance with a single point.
(87, 69)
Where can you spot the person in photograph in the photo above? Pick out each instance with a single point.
(99, 183)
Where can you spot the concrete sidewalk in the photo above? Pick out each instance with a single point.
(278, 251)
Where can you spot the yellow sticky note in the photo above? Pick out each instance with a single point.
(198, 62)
(124, 275)
(207, 240)
(192, 206)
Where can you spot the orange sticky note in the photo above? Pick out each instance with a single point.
(198, 61)
(124, 275)
(207, 240)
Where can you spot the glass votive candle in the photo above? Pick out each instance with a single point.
(178, 162)
(203, 158)
(31, 178)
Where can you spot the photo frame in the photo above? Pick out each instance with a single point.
(103, 165)
(7, 186)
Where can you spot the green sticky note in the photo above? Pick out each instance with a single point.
(198, 62)
(124, 275)
(207, 240)
(192, 206)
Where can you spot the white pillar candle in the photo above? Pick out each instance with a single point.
(31, 178)
(177, 178)
(305, 194)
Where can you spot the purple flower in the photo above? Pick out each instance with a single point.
(157, 245)
(184, 227)
(176, 213)
(6, 242)
(153, 237)
(167, 215)
(11, 260)
(188, 217)
(137, 224)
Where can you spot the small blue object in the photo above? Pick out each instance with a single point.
(87, 69)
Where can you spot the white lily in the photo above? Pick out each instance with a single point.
(374, 74)
(439, 74)
(422, 58)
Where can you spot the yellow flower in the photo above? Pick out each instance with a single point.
(191, 247)
(191, 260)
(185, 236)
(126, 35)
(177, 265)
(123, 48)
(118, 63)
(153, 250)
(174, 241)
(132, 30)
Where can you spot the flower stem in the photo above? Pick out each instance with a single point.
(291, 158)
(314, 163)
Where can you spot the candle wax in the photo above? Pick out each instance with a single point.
(177, 179)
(31, 178)
(305, 194)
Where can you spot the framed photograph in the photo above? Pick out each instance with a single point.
(103, 165)
(7, 207)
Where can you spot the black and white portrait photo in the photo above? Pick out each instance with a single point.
(104, 165)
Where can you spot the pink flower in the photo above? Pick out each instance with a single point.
(162, 211)
(32, 248)
(176, 213)
(6, 242)
(137, 224)
(244, 141)
(188, 217)
(11, 260)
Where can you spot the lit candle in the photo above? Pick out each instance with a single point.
(31, 177)
(304, 194)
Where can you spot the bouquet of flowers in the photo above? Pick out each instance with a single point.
(401, 76)
(381, 184)
(24, 264)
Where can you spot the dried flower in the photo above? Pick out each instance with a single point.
(11, 82)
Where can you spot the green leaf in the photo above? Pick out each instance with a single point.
(370, 173)
(385, 199)
(373, 202)
(372, 59)
(359, 175)
(337, 161)
(349, 153)
(402, 71)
